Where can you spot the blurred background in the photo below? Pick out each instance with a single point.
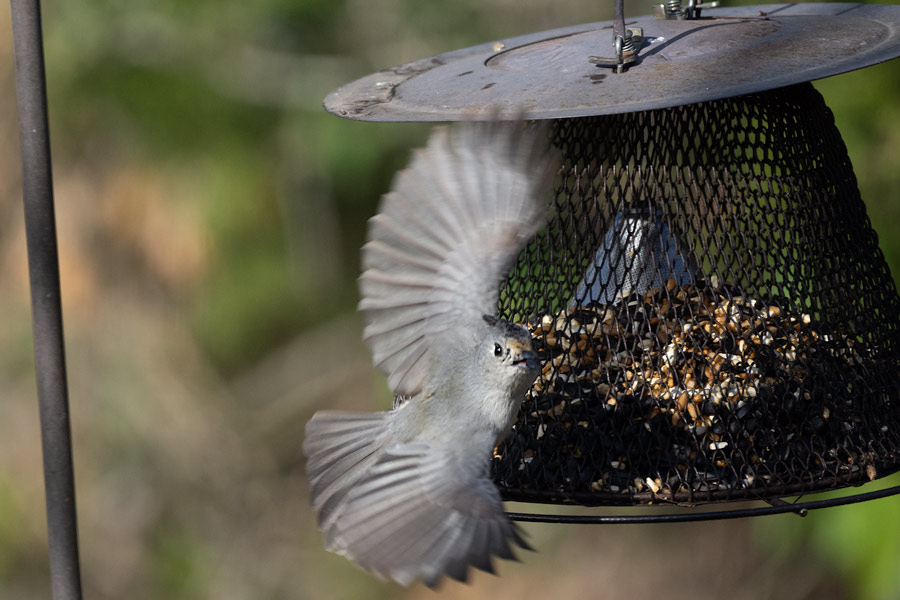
(210, 215)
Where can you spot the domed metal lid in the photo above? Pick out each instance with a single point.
(729, 52)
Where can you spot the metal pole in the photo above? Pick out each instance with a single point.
(619, 19)
(46, 307)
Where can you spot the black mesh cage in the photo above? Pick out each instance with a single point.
(715, 318)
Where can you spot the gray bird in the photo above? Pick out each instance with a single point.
(406, 494)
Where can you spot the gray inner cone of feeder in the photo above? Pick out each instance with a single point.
(639, 253)
(731, 51)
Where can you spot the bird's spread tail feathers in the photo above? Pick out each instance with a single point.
(402, 511)
(340, 448)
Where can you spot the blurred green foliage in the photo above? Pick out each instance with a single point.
(196, 90)
(859, 542)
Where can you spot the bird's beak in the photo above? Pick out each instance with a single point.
(527, 359)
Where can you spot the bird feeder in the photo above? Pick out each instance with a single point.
(715, 319)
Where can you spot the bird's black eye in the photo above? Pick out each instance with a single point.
(498, 350)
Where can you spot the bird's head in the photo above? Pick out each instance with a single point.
(508, 355)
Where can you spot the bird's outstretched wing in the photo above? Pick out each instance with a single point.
(446, 235)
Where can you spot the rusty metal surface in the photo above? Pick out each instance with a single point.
(729, 52)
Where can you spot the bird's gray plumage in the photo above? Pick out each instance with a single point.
(406, 494)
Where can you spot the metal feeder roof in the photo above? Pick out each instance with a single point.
(728, 52)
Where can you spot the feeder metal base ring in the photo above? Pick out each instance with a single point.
(776, 507)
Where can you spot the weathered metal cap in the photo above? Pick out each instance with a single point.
(729, 52)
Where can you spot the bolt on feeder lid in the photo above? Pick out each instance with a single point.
(729, 52)
(715, 319)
